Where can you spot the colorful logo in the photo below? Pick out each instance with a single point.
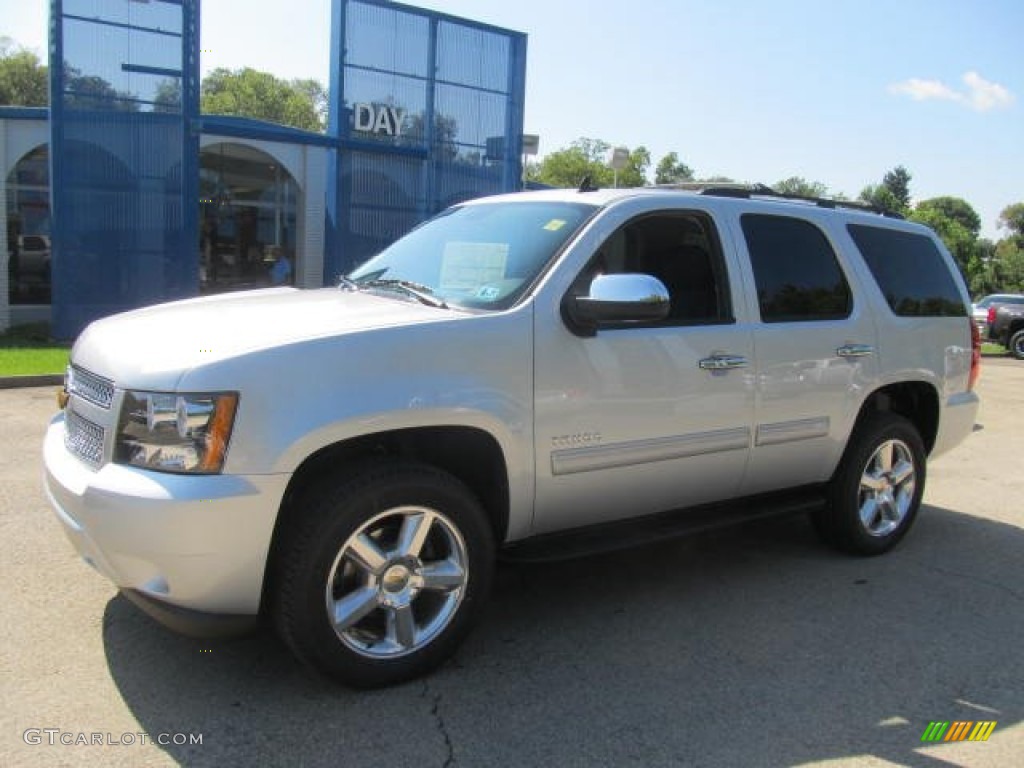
(958, 730)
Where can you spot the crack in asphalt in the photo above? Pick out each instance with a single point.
(435, 711)
(971, 577)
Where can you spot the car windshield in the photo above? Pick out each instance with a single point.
(476, 256)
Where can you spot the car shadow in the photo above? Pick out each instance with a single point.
(748, 646)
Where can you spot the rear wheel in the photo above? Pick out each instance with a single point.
(382, 574)
(1016, 345)
(876, 492)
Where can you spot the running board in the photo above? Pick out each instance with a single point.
(626, 534)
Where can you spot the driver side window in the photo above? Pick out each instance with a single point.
(682, 251)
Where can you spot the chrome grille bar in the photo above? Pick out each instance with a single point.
(83, 438)
(89, 386)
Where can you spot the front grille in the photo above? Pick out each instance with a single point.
(89, 386)
(83, 438)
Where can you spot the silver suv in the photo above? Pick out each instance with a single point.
(529, 376)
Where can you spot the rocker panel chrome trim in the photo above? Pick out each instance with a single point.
(791, 431)
(590, 458)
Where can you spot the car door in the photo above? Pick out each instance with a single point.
(815, 345)
(642, 418)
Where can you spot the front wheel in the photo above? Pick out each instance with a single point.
(1016, 345)
(875, 493)
(381, 575)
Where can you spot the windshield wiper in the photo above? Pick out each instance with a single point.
(347, 284)
(419, 292)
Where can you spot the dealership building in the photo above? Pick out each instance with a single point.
(122, 194)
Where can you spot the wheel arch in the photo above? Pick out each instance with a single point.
(916, 401)
(471, 454)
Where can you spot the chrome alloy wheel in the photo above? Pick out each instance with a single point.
(886, 488)
(397, 582)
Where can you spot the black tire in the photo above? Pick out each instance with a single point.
(404, 614)
(896, 498)
(1016, 345)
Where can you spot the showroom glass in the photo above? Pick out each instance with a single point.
(479, 256)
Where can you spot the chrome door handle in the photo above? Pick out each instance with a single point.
(855, 350)
(723, 362)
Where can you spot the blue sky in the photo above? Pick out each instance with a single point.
(837, 92)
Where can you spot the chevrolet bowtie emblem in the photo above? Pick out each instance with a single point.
(62, 398)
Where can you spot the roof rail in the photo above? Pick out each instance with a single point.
(747, 191)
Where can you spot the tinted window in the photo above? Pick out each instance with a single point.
(910, 271)
(797, 274)
(682, 250)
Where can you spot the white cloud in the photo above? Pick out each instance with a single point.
(980, 94)
(922, 90)
(983, 95)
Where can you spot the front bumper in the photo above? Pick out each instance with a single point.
(195, 545)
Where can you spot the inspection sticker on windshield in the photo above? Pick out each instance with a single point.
(466, 266)
(554, 225)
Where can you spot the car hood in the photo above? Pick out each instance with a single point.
(153, 347)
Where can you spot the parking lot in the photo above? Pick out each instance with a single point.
(753, 646)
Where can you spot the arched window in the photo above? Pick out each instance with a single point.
(28, 228)
(248, 211)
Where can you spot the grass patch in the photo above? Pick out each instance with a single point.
(991, 349)
(29, 350)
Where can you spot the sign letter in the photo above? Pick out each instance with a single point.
(363, 117)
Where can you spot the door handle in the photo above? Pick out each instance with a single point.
(723, 362)
(855, 350)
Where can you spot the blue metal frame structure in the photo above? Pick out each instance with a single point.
(453, 108)
(124, 156)
(447, 94)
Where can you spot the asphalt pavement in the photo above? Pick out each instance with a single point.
(753, 646)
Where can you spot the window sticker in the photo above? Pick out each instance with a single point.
(488, 292)
(554, 225)
(466, 266)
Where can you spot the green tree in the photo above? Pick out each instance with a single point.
(317, 94)
(671, 170)
(893, 194)
(87, 92)
(1012, 218)
(797, 185)
(881, 197)
(961, 241)
(568, 167)
(249, 93)
(168, 95)
(23, 78)
(897, 181)
(1004, 270)
(635, 172)
(954, 208)
(589, 158)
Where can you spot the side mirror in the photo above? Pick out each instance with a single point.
(617, 299)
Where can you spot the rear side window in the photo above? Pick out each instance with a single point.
(796, 271)
(910, 271)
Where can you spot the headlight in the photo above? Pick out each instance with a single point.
(175, 432)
